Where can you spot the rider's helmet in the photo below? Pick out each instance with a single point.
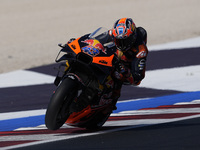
(124, 33)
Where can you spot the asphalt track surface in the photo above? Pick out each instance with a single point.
(177, 135)
(182, 135)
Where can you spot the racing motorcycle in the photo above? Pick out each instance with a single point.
(83, 96)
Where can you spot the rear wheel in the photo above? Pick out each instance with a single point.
(58, 108)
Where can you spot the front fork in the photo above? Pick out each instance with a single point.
(60, 75)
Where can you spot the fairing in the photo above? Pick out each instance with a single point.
(91, 52)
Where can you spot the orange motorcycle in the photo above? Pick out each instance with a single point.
(83, 97)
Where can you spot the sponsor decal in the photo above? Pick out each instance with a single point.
(90, 50)
(141, 54)
(120, 30)
(94, 47)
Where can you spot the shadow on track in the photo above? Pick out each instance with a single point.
(178, 135)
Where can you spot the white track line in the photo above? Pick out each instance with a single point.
(188, 43)
(24, 78)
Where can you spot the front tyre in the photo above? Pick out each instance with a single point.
(58, 107)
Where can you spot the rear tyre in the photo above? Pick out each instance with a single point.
(58, 107)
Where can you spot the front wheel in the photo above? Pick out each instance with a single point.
(58, 108)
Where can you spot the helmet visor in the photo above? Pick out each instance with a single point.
(125, 44)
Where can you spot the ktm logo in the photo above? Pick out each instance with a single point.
(103, 61)
(73, 46)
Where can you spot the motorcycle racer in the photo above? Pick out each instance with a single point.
(131, 51)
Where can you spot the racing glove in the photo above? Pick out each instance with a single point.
(138, 69)
(122, 72)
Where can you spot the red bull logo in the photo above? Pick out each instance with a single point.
(94, 47)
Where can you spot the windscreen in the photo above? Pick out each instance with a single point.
(101, 34)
